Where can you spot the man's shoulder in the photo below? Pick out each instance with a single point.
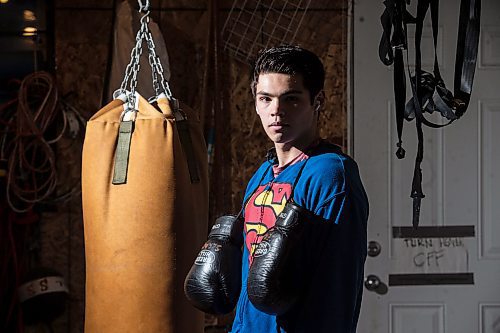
(329, 158)
(324, 161)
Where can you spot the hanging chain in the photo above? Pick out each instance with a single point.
(132, 69)
(156, 67)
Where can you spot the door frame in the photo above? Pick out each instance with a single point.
(350, 78)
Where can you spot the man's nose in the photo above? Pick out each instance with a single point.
(277, 108)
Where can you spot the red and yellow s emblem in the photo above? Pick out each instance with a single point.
(262, 210)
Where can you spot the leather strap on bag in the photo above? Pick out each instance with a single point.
(429, 91)
(122, 152)
(187, 145)
(182, 126)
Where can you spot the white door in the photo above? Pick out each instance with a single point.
(447, 279)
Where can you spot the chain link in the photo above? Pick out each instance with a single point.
(156, 67)
(132, 69)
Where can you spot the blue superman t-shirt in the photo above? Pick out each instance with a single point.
(332, 250)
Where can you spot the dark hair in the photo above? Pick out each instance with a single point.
(291, 60)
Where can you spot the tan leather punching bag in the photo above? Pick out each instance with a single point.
(141, 236)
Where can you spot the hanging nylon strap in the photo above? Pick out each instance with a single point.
(433, 94)
(395, 15)
(429, 91)
(452, 107)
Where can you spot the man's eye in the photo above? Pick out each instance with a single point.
(264, 99)
(292, 98)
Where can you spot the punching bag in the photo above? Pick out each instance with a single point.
(145, 210)
(142, 236)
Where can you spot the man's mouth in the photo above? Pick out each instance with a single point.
(278, 124)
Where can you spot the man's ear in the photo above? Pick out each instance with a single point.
(319, 101)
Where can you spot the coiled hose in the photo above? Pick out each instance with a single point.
(31, 162)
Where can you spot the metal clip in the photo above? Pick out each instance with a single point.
(457, 104)
(399, 46)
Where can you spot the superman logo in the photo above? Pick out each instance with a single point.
(262, 210)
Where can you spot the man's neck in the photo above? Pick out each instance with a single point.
(286, 152)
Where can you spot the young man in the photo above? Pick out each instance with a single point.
(325, 259)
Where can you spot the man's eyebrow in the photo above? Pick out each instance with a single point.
(289, 92)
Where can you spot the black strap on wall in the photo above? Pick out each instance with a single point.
(429, 92)
(395, 14)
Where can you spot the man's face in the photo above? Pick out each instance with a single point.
(284, 108)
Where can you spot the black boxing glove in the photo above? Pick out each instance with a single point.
(214, 282)
(274, 278)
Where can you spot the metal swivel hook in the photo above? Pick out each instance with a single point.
(145, 19)
(144, 7)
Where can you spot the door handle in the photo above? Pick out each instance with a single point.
(373, 283)
(374, 248)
